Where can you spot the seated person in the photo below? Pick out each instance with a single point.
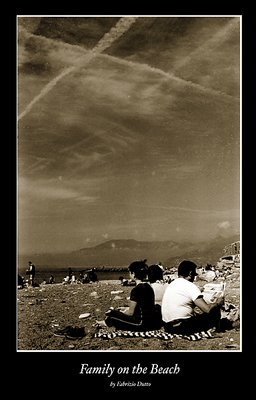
(179, 301)
(85, 278)
(140, 315)
(156, 280)
(20, 282)
(66, 280)
(92, 275)
(127, 282)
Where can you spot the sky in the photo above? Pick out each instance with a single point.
(128, 128)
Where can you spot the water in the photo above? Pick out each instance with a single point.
(60, 274)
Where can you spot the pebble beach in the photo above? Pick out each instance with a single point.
(44, 309)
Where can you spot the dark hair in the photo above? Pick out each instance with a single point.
(155, 273)
(139, 269)
(186, 267)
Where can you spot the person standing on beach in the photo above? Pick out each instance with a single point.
(141, 314)
(70, 273)
(32, 272)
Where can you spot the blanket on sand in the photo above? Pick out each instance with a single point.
(158, 334)
(229, 312)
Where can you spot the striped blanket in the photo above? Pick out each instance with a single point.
(157, 334)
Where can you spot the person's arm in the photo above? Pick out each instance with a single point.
(130, 310)
(205, 307)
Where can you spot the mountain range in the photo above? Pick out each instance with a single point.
(120, 253)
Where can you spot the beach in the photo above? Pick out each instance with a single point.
(44, 309)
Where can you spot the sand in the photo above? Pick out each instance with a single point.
(42, 310)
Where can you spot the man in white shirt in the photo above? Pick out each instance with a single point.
(180, 299)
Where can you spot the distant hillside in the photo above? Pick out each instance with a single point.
(120, 253)
(123, 252)
(203, 253)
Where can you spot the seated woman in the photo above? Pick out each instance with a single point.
(156, 280)
(140, 315)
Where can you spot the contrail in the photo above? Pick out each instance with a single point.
(174, 208)
(171, 76)
(107, 40)
(220, 35)
(44, 91)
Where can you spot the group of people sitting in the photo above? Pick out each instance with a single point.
(178, 306)
(84, 277)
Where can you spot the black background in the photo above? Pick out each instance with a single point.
(46, 373)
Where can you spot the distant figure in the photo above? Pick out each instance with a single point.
(208, 273)
(127, 282)
(31, 271)
(169, 278)
(70, 272)
(92, 275)
(66, 280)
(51, 279)
(73, 278)
(161, 266)
(20, 282)
(85, 278)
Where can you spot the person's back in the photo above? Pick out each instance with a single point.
(159, 290)
(144, 297)
(93, 276)
(178, 300)
(155, 277)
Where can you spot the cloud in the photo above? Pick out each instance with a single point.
(224, 225)
(52, 189)
(36, 50)
(143, 67)
(122, 147)
(48, 192)
(30, 24)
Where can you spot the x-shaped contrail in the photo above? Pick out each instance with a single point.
(106, 41)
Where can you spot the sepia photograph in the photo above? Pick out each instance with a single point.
(128, 188)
